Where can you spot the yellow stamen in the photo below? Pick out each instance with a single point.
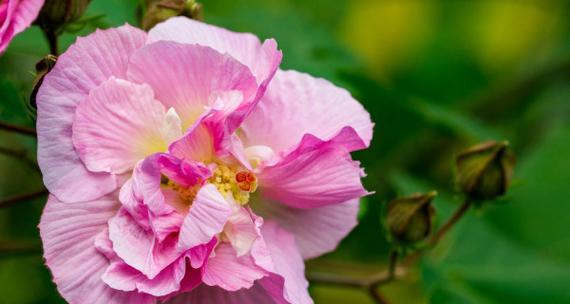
(238, 183)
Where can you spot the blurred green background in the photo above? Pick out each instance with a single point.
(437, 76)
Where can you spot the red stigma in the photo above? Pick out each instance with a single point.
(242, 176)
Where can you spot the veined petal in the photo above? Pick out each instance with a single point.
(288, 282)
(262, 59)
(83, 67)
(15, 17)
(196, 77)
(68, 233)
(123, 277)
(140, 248)
(119, 124)
(314, 174)
(318, 230)
(230, 272)
(209, 213)
(297, 104)
(205, 294)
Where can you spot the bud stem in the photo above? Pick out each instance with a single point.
(9, 201)
(17, 129)
(20, 247)
(450, 222)
(51, 37)
(457, 215)
(373, 288)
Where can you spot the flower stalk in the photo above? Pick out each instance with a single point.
(17, 129)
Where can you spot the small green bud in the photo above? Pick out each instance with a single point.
(409, 218)
(56, 13)
(161, 10)
(484, 171)
(43, 67)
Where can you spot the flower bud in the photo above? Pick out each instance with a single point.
(42, 68)
(160, 10)
(56, 13)
(484, 171)
(409, 218)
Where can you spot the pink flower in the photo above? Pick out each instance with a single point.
(15, 17)
(183, 166)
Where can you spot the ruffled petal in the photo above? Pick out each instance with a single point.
(139, 248)
(68, 233)
(288, 282)
(207, 295)
(15, 17)
(209, 213)
(123, 277)
(318, 230)
(262, 59)
(230, 272)
(197, 77)
(119, 124)
(296, 104)
(315, 174)
(83, 67)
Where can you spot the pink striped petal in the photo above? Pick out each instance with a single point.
(15, 17)
(139, 248)
(315, 174)
(83, 67)
(207, 295)
(262, 59)
(297, 104)
(318, 230)
(119, 124)
(68, 233)
(196, 77)
(207, 217)
(230, 272)
(288, 282)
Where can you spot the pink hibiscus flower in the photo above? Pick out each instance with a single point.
(15, 17)
(183, 166)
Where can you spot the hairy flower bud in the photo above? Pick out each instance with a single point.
(42, 68)
(485, 171)
(161, 10)
(56, 13)
(409, 218)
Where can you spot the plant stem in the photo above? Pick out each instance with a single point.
(9, 201)
(17, 129)
(450, 223)
(20, 247)
(51, 37)
(21, 155)
(373, 288)
(442, 231)
(370, 283)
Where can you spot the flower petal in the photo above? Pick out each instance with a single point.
(262, 59)
(140, 248)
(206, 295)
(209, 213)
(315, 174)
(15, 17)
(288, 282)
(68, 233)
(296, 104)
(119, 124)
(84, 66)
(123, 277)
(195, 79)
(317, 231)
(230, 272)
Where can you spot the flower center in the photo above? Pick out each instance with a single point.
(238, 183)
(185, 195)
